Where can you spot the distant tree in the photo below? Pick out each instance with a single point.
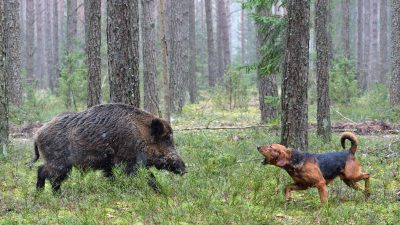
(374, 56)
(192, 44)
(3, 88)
(179, 52)
(30, 39)
(123, 54)
(367, 43)
(360, 36)
(383, 43)
(226, 34)
(295, 76)
(164, 46)
(212, 69)
(151, 100)
(12, 48)
(221, 20)
(323, 108)
(56, 44)
(93, 44)
(72, 26)
(345, 31)
(395, 82)
(49, 46)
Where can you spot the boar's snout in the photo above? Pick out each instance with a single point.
(176, 165)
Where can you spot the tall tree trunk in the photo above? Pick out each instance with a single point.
(49, 44)
(192, 45)
(295, 76)
(383, 71)
(179, 53)
(4, 129)
(242, 37)
(212, 70)
(374, 57)
(220, 30)
(123, 54)
(93, 44)
(360, 58)
(346, 33)
(395, 82)
(12, 48)
(367, 43)
(164, 46)
(151, 100)
(72, 26)
(323, 109)
(30, 39)
(226, 35)
(56, 45)
(266, 83)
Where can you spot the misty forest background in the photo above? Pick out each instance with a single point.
(228, 75)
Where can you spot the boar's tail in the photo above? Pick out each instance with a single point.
(36, 153)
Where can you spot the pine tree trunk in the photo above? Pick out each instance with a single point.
(179, 53)
(123, 54)
(226, 35)
(164, 46)
(30, 39)
(374, 57)
(360, 58)
(367, 43)
(12, 48)
(72, 26)
(220, 30)
(56, 46)
(266, 83)
(395, 82)
(323, 109)
(151, 100)
(346, 31)
(383, 44)
(212, 70)
(49, 44)
(192, 45)
(295, 76)
(93, 44)
(4, 102)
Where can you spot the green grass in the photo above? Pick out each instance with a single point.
(226, 183)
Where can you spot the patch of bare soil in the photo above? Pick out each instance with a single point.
(364, 128)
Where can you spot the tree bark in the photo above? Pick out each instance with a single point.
(179, 53)
(374, 57)
(30, 40)
(395, 82)
(323, 108)
(49, 45)
(226, 35)
(93, 44)
(383, 43)
(192, 44)
(212, 70)
(220, 30)
(56, 45)
(12, 48)
(266, 83)
(360, 58)
(151, 100)
(367, 42)
(4, 102)
(72, 26)
(345, 30)
(164, 46)
(123, 54)
(295, 76)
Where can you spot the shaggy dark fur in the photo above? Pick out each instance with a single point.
(101, 137)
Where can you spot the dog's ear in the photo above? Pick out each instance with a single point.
(283, 158)
(282, 161)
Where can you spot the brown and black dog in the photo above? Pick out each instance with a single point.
(318, 170)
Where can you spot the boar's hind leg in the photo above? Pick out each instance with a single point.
(41, 178)
(59, 175)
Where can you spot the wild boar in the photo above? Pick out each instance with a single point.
(102, 137)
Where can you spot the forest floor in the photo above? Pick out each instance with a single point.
(225, 183)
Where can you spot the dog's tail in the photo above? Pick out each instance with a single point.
(352, 138)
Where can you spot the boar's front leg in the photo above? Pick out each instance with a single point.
(132, 168)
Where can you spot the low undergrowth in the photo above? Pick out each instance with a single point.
(226, 184)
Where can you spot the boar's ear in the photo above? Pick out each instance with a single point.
(156, 127)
